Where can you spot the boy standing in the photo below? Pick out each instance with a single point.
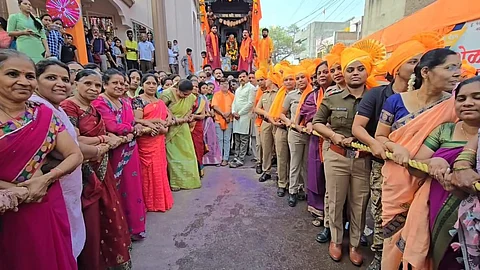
(69, 52)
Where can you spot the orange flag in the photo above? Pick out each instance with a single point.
(256, 17)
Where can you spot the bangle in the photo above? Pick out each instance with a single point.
(461, 168)
(476, 186)
(467, 156)
(333, 135)
(59, 173)
(469, 150)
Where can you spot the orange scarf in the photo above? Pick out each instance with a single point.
(224, 102)
(264, 48)
(205, 62)
(321, 93)
(258, 121)
(214, 40)
(190, 64)
(245, 48)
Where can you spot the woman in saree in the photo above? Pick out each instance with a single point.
(117, 113)
(40, 228)
(152, 113)
(440, 150)
(214, 154)
(182, 169)
(405, 122)
(196, 126)
(108, 238)
(315, 175)
(54, 86)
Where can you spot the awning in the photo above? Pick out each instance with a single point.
(440, 16)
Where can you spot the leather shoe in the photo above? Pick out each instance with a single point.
(302, 196)
(264, 177)
(292, 200)
(363, 240)
(355, 256)
(335, 251)
(324, 236)
(259, 169)
(281, 192)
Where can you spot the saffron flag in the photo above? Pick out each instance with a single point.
(256, 17)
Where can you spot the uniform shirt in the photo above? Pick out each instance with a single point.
(291, 103)
(341, 108)
(134, 46)
(372, 104)
(266, 100)
(145, 50)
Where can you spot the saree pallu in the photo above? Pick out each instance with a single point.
(38, 235)
(182, 163)
(108, 239)
(315, 172)
(197, 131)
(125, 162)
(213, 155)
(407, 237)
(443, 215)
(153, 158)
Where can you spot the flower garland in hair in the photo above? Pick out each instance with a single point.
(411, 82)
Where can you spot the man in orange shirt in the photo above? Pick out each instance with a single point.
(222, 105)
(213, 49)
(264, 49)
(246, 53)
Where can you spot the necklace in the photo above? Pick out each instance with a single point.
(463, 131)
(13, 118)
(113, 103)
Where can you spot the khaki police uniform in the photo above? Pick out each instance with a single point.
(283, 155)
(267, 131)
(298, 145)
(348, 171)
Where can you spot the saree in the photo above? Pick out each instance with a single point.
(125, 162)
(443, 211)
(153, 158)
(108, 239)
(407, 237)
(182, 163)
(38, 235)
(71, 185)
(315, 170)
(213, 155)
(197, 131)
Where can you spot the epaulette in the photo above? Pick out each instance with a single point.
(333, 92)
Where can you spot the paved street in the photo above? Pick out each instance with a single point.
(233, 222)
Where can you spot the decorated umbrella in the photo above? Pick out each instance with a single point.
(67, 10)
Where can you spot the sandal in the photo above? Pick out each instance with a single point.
(224, 163)
(317, 222)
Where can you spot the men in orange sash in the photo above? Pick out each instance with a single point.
(213, 49)
(187, 63)
(264, 49)
(246, 53)
(204, 59)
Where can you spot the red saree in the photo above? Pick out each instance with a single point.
(108, 239)
(38, 235)
(197, 131)
(153, 158)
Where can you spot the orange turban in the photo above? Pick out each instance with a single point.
(468, 71)
(288, 72)
(333, 57)
(304, 69)
(368, 52)
(275, 77)
(418, 44)
(260, 74)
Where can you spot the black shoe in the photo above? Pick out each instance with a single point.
(274, 162)
(376, 264)
(292, 200)
(363, 240)
(324, 236)
(302, 196)
(259, 169)
(264, 177)
(281, 192)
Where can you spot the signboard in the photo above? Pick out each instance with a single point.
(464, 40)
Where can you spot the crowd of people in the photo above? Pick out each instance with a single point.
(107, 146)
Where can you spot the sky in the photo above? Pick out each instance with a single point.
(303, 12)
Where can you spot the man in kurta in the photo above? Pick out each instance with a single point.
(264, 49)
(246, 53)
(242, 114)
(213, 49)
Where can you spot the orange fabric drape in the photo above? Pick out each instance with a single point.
(264, 49)
(214, 40)
(190, 64)
(258, 96)
(321, 93)
(78, 33)
(205, 61)
(204, 21)
(442, 15)
(245, 48)
(256, 17)
(276, 108)
(224, 101)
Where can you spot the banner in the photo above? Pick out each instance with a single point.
(464, 39)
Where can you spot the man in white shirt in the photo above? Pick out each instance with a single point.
(242, 113)
(172, 58)
(145, 53)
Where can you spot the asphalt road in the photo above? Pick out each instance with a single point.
(235, 223)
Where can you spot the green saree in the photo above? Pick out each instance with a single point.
(182, 161)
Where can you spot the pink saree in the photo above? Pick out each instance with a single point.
(38, 235)
(125, 162)
(214, 155)
(405, 199)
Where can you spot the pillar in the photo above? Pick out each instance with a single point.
(160, 34)
(12, 7)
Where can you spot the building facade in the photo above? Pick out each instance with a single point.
(308, 36)
(379, 14)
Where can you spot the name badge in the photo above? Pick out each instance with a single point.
(340, 109)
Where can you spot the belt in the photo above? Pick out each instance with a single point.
(283, 127)
(347, 152)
